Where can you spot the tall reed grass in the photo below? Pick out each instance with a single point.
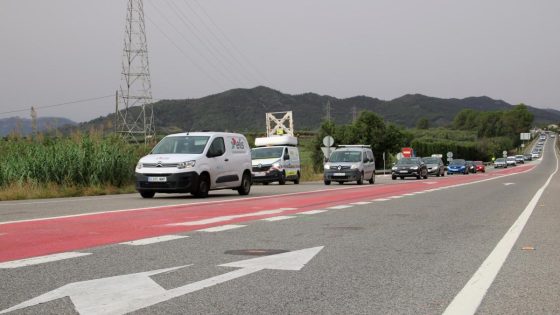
(78, 160)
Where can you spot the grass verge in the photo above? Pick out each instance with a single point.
(24, 191)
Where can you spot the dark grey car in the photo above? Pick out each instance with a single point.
(409, 167)
(435, 166)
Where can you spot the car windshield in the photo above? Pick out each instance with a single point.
(346, 156)
(478, 162)
(181, 145)
(500, 160)
(457, 162)
(431, 160)
(408, 161)
(266, 153)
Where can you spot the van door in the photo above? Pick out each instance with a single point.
(217, 163)
(370, 165)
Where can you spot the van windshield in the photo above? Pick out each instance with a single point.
(346, 156)
(181, 145)
(266, 153)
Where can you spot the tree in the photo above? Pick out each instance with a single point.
(423, 123)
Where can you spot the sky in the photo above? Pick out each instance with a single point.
(64, 56)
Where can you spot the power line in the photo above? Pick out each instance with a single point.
(59, 104)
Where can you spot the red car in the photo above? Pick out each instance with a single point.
(480, 166)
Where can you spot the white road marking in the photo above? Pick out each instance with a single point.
(340, 207)
(232, 217)
(411, 194)
(381, 199)
(128, 293)
(152, 240)
(40, 260)
(278, 218)
(221, 228)
(469, 298)
(395, 197)
(360, 203)
(507, 184)
(313, 211)
(430, 183)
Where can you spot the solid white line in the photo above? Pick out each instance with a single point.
(395, 197)
(360, 203)
(340, 207)
(313, 212)
(381, 199)
(411, 194)
(152, 240)
(278, 218)
(469, 298)
(231, 217)
(221, 228)
(40, 260)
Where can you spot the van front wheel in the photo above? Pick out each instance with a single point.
(296, 181)
(282, 179)
(147, 194)
(203, 187)
(245, 187)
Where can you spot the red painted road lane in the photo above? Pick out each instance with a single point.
(49, 236)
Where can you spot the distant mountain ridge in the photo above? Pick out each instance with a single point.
(23, 126)
(244, 110)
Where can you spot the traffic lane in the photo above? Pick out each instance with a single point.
(22, 240)
(45, 208)
(528, 281)
(398, 256)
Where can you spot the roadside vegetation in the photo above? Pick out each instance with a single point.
(85, 164)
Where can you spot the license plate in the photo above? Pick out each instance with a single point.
(257, 174)
(157, 179)
(339, 174)
(403, 172)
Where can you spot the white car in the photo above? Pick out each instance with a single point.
(510, 160)
(196, 162)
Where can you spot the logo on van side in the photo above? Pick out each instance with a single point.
(237, 144)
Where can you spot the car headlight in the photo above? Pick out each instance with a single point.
(327, 167)
(414, 167)
(138, 166)
(354, 166)
(462, 167)
(187, 164)
(394, 168)
(276, 165)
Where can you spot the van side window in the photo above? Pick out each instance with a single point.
(217, 148)
(370, 155)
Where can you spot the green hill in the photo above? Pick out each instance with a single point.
(244, 110)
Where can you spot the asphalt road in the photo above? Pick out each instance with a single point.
(481, 243)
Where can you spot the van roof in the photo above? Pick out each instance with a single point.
(204, 133)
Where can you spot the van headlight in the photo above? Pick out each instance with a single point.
(138, 166)
(276, 165)
(187, 164)
(354, 166)
(327, 167)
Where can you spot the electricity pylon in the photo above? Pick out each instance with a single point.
(135, 115)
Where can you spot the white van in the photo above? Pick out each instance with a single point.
(276, 159)
(196, 162)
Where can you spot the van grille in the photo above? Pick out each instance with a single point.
(153, 165)
(263, 168)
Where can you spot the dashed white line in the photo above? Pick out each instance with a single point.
(40, 260)
(221, 228)
(411, 194)
(395, 197)
(152, 240)
(278, 218)
(313, 211)
(231, 217)
(360, 203)
(381, 199)
(340, 207)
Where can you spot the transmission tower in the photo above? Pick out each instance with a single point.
(135, 115)
(328, 110)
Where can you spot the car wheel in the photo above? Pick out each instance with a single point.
(203, 187)
(296, 181)
(147, 194)
(393, 177)
(361, 180)
(402, 177)
(340, 183)
(327, 182)
(282, 179)
(265, 183)
(418, 176)
(245, 187)
(372, 179)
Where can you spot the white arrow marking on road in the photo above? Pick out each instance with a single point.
(507, 184)
(128, 293)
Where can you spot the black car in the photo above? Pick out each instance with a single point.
(409, 167)
(471, 166)
(435, 166)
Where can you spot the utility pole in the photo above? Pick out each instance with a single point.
(328, 114)
(135, 115)
(33, 122)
